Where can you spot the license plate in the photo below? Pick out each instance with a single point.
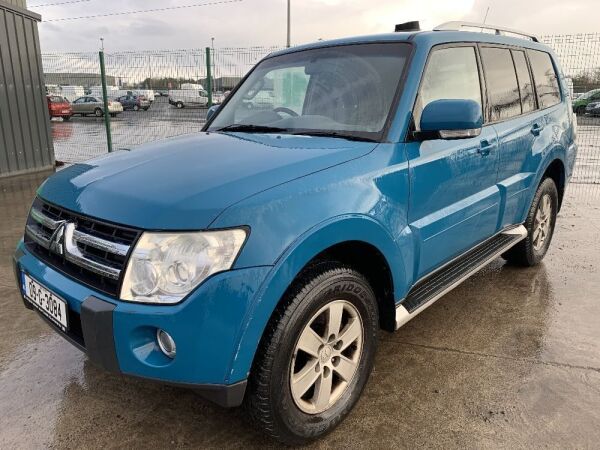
(50, 304)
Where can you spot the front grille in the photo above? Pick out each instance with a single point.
(88, 250)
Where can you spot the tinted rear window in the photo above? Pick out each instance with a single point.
(546, 81)
(502, 86)
(525, 83)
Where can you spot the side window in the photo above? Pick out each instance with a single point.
(546, 81)
(501, 82)
(525, 83)
(451, 74)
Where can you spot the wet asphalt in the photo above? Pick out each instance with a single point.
(510, 359)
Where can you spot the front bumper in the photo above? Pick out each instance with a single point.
(120, 336)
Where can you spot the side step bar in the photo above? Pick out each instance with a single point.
(425, 292)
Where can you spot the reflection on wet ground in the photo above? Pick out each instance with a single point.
(509, 359)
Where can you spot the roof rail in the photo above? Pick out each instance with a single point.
(458, 25)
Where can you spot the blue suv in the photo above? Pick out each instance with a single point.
(341, 189)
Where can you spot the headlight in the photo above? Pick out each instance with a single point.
(165, 267)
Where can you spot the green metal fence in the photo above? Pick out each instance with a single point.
(192, 79)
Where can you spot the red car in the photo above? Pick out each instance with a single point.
(59, 107)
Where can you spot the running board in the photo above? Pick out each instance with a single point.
(432, 287)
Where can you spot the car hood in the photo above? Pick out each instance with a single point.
(185, 182)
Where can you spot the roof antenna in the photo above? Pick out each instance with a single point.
(486, 14)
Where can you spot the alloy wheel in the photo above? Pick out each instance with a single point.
(542, 223)
(326, 356)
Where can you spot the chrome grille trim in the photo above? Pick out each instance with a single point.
(100, 244)
(38, 237)
(60, 237)
(43, 219)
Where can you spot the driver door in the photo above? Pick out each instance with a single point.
(454, 201)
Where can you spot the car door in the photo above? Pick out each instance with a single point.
(79, 105)
(454, 200)
(511, 106)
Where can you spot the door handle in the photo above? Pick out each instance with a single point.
(536, 129)
(485, 147)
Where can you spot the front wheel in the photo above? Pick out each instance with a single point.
(66, 118)
(179, 105)
(540, 224)
(98, 112)
(315, 357)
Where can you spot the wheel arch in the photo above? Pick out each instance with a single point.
(346, 239)
(557, 172)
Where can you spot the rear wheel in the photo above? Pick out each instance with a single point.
(580, 110)
(136, 108)
(179, 105)
(66, 118)
(98, 112)
(315, 357)
(540, 224)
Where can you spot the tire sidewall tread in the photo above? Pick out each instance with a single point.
(268, 400)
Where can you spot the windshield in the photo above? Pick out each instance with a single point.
(345, 91)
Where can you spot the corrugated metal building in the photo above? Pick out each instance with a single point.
(25, 138)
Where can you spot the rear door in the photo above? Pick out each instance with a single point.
(454, 201)
(511, 108)
(525, 139)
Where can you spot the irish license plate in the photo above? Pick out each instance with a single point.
(50, 304)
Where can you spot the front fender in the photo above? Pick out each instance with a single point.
(294, 259)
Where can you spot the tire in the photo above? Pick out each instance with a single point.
(113, 114)
(146, 109)
(284, 412)
(66, 118)
(136, 108)
(580, 110)
(530, 251)
(179, 105)
(98, 112)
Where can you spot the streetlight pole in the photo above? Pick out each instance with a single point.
(289, 24)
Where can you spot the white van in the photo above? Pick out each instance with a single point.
(182, 98)
(148, 93)
(72, 92)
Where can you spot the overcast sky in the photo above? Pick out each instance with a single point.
(263, 22)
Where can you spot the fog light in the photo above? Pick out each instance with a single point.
(166, 343)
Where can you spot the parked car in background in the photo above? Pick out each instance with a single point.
(162, 92)
(580, 103)
(89, 105)
(134, 102)
(593, 109)
(218, 97)
(184, 98)
(257, 261)
(58, 106)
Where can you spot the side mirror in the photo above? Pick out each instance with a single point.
(451, 119)
(211, 112)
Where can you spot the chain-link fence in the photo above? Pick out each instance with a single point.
(579, 55)
(166, 93)
(161, 94)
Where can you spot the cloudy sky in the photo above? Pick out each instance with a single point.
(262, 22)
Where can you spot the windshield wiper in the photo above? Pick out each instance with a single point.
(252, 128)
(335, 134)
